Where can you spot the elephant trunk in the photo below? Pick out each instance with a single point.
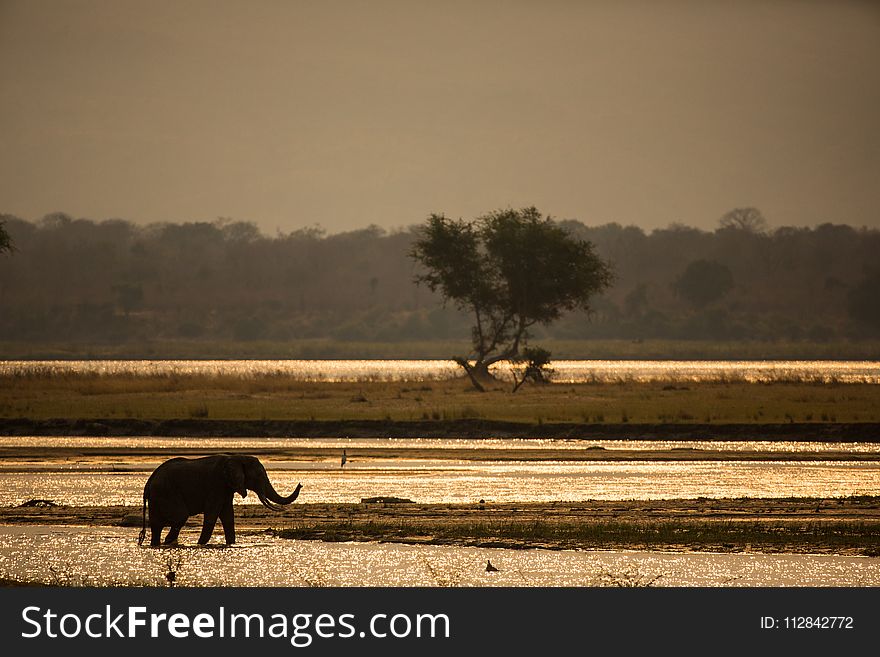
(271, 499)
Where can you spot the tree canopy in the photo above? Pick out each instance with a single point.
(511, 269)
(5, 240)
(748, 219)
(863, 300)
(704, 281)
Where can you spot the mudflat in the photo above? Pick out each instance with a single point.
(461, 428)
(846, 526)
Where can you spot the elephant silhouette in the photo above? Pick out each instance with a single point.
(182, 487)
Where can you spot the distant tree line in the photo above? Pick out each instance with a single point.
(67, 279)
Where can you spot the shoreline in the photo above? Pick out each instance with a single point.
(464, 428)
(840, 526)
(21, 458)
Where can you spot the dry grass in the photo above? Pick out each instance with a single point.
(285, 398)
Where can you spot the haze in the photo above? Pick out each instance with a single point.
(349, 113)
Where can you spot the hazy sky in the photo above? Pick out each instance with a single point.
(344, 113)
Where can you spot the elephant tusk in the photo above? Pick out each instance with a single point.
(270, 505)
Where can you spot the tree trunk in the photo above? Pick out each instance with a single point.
(478, 373)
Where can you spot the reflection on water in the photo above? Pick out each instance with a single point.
(450, 481)
(567, 371)
(110, 557)
(439, 474)
(154, 442)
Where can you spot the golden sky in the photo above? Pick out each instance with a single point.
(345, 113)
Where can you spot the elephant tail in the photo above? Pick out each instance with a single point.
(143, 533)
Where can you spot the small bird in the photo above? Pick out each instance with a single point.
(344, 459)
(490, 568)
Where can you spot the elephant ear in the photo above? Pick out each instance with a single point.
(234, 470)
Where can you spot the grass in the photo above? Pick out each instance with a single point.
(280, 397)
(837, 525)
(722, 535)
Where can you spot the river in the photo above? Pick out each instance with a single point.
(109, 556)
(566, 371)
(441, 475)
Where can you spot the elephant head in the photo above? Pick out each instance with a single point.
(246, 473)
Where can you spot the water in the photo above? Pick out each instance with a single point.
(567, 371)
(99, 482)
(439, 444)
(109, 556)
(447, 470)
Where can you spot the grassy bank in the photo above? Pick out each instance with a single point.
(471, 429)
(837, 526)
(277, 397)
(669, 534)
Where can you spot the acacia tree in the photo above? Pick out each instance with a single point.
(748, 219)
(512, 269)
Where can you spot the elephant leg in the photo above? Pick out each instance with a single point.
(208, 526)
(227, 519)
(172, 535)
(158, 521)
(155, 535)
(169, 513)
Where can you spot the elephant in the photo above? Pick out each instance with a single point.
(182, 487)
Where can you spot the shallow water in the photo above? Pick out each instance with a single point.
(221, 444)
(109, 556)
(451, 481)
(567, 371)
(440, 475)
